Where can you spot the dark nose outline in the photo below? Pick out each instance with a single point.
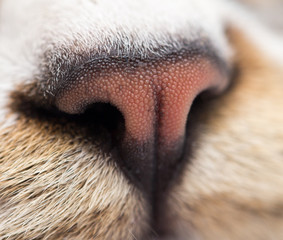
(154, 95)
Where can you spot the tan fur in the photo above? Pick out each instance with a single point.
(52, 186)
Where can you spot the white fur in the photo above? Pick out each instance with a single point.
(24, 37)
(98, 24)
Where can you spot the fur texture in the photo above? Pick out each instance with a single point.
(58, 181)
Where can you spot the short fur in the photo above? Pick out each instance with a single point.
(59, 182)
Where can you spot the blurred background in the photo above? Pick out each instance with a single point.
(270, 11)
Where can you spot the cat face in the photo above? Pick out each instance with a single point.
(139, 120)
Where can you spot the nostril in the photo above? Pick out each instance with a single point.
(107, 118)
(154, 96)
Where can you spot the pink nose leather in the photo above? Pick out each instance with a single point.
(154, 97)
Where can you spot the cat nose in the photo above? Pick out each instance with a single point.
(154, 96)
